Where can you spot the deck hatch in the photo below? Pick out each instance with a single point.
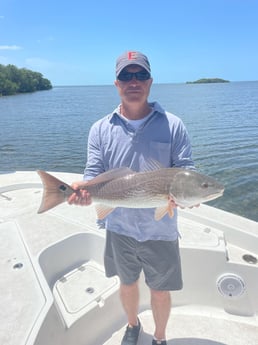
(84, 287)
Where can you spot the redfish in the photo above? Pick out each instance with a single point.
(123, 187)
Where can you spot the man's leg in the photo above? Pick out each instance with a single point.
(129, 295)
(161, 306)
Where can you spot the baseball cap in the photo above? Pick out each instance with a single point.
(132, 58)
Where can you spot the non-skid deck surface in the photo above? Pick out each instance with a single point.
(21, 297)
(192, 329)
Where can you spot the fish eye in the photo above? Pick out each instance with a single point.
(205, 185)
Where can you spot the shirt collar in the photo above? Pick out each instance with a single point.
(154, 105)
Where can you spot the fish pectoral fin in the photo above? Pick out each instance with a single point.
(170, 210)
(160, 212)
(103, 211)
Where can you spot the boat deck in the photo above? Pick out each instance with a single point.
(53, 289)
(204, 327)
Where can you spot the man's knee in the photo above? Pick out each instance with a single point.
(160, 295)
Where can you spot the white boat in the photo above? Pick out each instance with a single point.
(53, 290)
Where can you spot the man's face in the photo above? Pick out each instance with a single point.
(133, 90)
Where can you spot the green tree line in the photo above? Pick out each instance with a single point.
(20, 80)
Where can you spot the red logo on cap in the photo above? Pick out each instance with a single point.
(132, 55)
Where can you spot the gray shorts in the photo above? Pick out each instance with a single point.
(159, 260)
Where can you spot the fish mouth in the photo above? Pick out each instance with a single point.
(214, 196)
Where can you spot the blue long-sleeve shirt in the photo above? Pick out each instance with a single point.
(113, 142)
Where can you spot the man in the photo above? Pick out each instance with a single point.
(135, 133)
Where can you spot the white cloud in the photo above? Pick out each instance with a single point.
(13, 47)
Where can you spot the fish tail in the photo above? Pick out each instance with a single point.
(55, 191)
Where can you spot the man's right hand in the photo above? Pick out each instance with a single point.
(80, 197)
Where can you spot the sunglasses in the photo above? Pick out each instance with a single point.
(127, 76)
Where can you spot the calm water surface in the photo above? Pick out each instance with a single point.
(48, 130)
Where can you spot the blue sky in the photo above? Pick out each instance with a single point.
(77, 42)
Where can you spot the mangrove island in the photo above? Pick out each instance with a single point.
(15, 80)
(208, 80)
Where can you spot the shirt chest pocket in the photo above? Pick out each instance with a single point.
(161, 152)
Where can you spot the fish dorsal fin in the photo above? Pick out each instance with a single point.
(151, 165)
(110, 175)
(103, 211)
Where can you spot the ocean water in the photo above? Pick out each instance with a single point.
(48, 130)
